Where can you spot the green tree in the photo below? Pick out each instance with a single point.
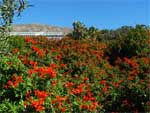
(8, 10)
(79, 30)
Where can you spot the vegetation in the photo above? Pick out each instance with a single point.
(80, 31)
(77, 74)
(91, 71)
(8, 10)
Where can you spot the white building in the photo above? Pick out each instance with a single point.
(47, 34)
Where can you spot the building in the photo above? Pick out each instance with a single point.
(47, 34)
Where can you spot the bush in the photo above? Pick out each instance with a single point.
(16, 42)
(80, 31)
(136, 43)
(70, 75)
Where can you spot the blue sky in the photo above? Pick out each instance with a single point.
(103, 14)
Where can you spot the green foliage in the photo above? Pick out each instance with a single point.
(8, 10)
(80, 31)
(16, 42)
(70, 75)
(9, 107)
(10, 65)
(136, 42)
(94, 33)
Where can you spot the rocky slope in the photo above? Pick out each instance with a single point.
(39, 28)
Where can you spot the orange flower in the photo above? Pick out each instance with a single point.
(63, 109)
(83, 106)
(40, 108)
(25, 103)
(69, 84)
(33, 63)
(10, 83)
(14, 51)
(38, 105)
(29, 39)
(134, 73)
(54, 66)
(115, 84)
(93, 106)
(147, 60)
(40, 53)
(131, 62)
(58, 57)
(89, 97)
(51, 72)
(63, 65)
(85, 78)
(54, 82)
(41, 94)
(78, 90)
(14, 83)
(59, 101)
(61, 98)
(103, 82)
(9, 63)
(105, 89)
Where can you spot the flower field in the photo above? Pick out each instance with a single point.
(74, 76)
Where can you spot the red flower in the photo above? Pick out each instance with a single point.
(54, 66)
(40, 53)
(9, 63)
(147, 60)
(61, 98)
(63, 109)
(51, 72)
(10, 83)
(131, 62)
(58, 57)
(25, 103)
(14, 83)
(78, 90)
(103, 82)
(93, 106)
(63, 65)
(30, 72)
(89, 97)
(29, 39)
(33, 63)
(14, 51)
(83, 106)
(40, 108)
(69, 84)
(54, 83)
(105, 89)
(38, 104)
(115, 84)
(41, 94)
(85, 79)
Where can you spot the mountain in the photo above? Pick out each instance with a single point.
(39, 28)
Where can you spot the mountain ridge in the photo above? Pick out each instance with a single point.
(39, 28)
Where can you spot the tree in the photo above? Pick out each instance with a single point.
(8, 10)
(79, 30)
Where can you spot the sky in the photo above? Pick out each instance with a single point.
(103, 14)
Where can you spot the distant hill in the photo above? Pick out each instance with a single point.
(39, 28)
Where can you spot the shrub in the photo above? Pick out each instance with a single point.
(136, 43)
(16, 42)
(79, 30)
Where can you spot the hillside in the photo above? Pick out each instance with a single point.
(39, 28)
